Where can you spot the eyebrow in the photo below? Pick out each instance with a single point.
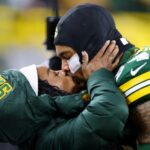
(61, 54)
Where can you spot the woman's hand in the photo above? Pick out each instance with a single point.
(105, 58)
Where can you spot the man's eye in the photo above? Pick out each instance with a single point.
(66, 57)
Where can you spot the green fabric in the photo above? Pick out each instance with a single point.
(143, 147)
(99, 123)
(132, 60)
(22, 112)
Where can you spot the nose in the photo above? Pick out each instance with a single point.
(65, 66)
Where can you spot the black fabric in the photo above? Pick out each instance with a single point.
(87, 27)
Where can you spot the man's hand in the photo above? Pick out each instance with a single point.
(105, 58)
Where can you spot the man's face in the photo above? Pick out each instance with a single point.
(65, 53)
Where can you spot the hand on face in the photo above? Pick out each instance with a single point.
(105, 58)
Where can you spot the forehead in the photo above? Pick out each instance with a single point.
(64, 50)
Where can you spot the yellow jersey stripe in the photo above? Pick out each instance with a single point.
(135, 81)
(138, 94)
(137, 87)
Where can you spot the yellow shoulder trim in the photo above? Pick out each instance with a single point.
(135, 81)
(138, 94)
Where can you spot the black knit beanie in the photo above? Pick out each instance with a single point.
(87, 27)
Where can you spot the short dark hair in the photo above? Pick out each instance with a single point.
(45, 88)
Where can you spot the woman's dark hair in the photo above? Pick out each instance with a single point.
(45, 88)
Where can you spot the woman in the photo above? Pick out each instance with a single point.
(25, 107)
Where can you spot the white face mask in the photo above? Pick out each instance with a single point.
(74, 63)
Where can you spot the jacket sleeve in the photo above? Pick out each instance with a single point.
(70, 105)
(108, 111)
(100, 122)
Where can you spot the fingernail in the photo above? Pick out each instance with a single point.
(113, 41)
(108, 41)
(83, 52)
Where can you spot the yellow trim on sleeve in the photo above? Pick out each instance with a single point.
(138, 94)
(135, 81)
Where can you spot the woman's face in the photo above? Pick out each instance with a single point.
(58, 78)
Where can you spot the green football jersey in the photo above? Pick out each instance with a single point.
(133, 75)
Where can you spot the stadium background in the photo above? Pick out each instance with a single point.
(23, 28)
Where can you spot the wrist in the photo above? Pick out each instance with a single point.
(88, 71)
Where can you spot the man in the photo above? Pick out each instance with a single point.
(100, 123)
(27, 100)
(87, 27)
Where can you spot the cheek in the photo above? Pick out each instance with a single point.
(61, 84)
(54, 81)
(65, 84)
(79, 74)
(68, 85)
